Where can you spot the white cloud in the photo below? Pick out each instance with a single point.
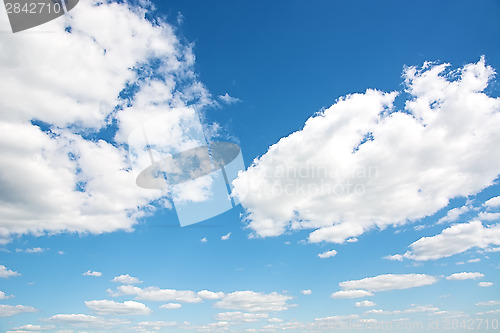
(485, 284)
(454, 214)
(238, 316)
(85, 321)
(358, 165)
(493, 202)
(327, 254)
(5, 272)
(12, 310)
(92, 273)
(114, 47)
(488, 303)
(206, 294)
(486, 216)
(306, 292)
(171, 306)
(364, 304)
(105, 307)
(414, 309)
(31, 250)
(225, 237)
(4, 296)
(389, 282)
(455, 239)
(252, 301)
(228, 99)
(31, 328)
(465, 276)
(147, 326)
(353, 293)
(395, 257)
(204, 240)
(126, 279)
(157, 294)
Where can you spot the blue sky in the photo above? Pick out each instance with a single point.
(334, 86)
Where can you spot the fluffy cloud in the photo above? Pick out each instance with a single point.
(456, 239)
(252, 301)
(354, 293)
(389, 282)
(485, 284)
(454, 214)
(157, 294)
(226, 237)
(31, 250)
(85, 321)
(493, 202)
(327, 254)
(238, 316)
(414, 309)
(364, 304)
(206, 294)
(4, 296)
(228, 99)
(92, 273)
(54, 179)
(5, 272)
(126, 279)
(306, 292)
(31, 328)
(12, 310)
(105, 307)
(465, 276)
(488, 303)
(170, 306)
(359, 164)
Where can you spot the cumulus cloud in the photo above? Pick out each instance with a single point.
(171, 306)
(252, 301)
(465, 276)
(4, 296)
(454, 214)
(228, 99)
(54, 178)
(327, 254)
(485, 284)
(488, 303)
(414, 309)
(5, 272)
(455, 239)
(85, 321)
(360, 164)
(238, 316)
(92, 273)
(364, 304)
(105, 307)
(226, 237)
(157, 294)
(207, 294)
(12, 310)
(126, 279)
(353, 293)
(31, 328)
(493, 202)
(389, 282)
(306, 292)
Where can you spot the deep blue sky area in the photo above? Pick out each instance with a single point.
(289, 59)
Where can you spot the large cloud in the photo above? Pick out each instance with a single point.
(359, 164)
(103, 68)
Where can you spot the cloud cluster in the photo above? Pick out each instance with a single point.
(103, 69)
(384, 282)
(360, 164)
